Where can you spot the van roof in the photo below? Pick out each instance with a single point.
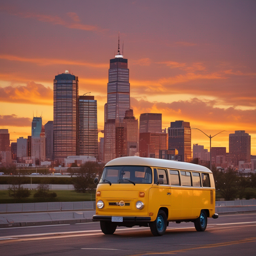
(155, 162)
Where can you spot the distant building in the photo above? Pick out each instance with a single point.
(101, 150)
(179, 137)
(21, 148)
(4, 140)
(150, 122)
(240, 147)
(79, 160)
(29, 139)
(109, 140)
(65, 123)
(169, 154)
(14, 150)
(88, 126)
(200, 152)
(218, 155)
(132, 139)
(152, 143)
(49, 140)
(121, 140)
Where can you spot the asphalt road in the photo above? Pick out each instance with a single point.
(228, 235)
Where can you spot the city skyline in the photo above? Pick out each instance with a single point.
(194, 63)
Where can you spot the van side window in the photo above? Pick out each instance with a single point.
(175, 178)
(205, 180)
(185, 178)
(155, 176)
(196, 179)
(162, 177)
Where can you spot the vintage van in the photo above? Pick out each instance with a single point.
(152, 192)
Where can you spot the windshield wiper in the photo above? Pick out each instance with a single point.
(107, 182)
(127, 180)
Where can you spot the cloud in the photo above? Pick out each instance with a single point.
(47, 62)
(14, 120)
(56, 20)
(142, 62)
(32, 93)
(172, 64)
(199, 113)
(73, 16)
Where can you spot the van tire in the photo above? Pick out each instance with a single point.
(158, 226)
(201, 221)
(108, 228)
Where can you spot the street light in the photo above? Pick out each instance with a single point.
(209, 136)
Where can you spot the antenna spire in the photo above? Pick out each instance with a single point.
(118, 50)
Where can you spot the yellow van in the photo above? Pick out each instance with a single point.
(151, 192)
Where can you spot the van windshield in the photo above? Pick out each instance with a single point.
(127, 174)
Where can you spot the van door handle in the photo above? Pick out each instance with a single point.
(168, 194)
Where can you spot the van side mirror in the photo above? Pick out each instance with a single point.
(96, 180)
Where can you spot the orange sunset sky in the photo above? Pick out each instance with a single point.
(189, 60)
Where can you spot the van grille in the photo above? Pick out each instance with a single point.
(117, 204)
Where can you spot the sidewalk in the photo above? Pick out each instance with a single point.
(48, 218)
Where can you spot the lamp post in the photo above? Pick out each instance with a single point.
(210, 137)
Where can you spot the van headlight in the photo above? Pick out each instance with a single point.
(139, 205)
(100, 204)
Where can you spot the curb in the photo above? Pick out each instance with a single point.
(41, 223)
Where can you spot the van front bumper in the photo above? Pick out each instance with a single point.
(125, 219)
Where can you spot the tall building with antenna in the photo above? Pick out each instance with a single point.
(118, 101)
(118, 90)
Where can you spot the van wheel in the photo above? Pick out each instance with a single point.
(108, 228)
(158, 226)
(201, 222)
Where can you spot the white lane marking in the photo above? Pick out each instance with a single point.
(105, 249)
(82, 223)
(66, 233)
(42, 226)
(236, 223)
(5, 238)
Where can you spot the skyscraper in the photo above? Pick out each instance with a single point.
(37, 140)
(179, 137)
(240, 146)
(88, 126)
(118, 101)
(65, 123)
(118, 92)
(150, 122)
(36, 127)
(49, 140)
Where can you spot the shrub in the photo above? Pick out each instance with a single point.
(18, 192)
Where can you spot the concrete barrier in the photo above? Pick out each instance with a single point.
(221, 206)
(47, 207)
(34, 186)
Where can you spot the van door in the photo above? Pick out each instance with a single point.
(159, 194)
(176, 198)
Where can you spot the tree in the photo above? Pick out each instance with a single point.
(228, 184)
(16, 190)
(86, 175)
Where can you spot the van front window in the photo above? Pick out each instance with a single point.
(127, 174)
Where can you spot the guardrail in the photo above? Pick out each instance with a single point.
(34, 186)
